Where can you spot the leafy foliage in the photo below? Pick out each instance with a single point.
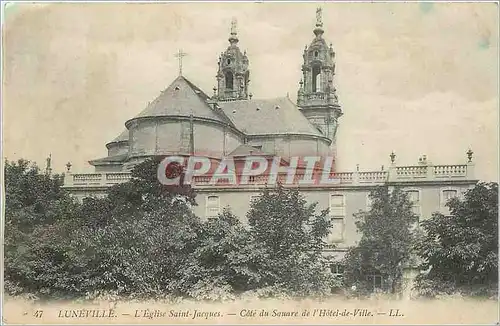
(142, 240)
(221, 263)
(134, 242)
(288, 239)
(460, 250)
(385, 246)
(38, 217)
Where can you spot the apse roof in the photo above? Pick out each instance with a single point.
(121, 137)
(109, 160)
(182, 98)
(268, 116)
(245, 150)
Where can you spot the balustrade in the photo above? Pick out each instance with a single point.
(87, 178)
(403, 172)
(377, 176)
(344, 177)
(449, 171)
(400, 173)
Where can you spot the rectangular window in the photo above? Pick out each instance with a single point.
(447, 195)
(337, 269)
(337, 217)
(213, 206)
(376, 281)
(337, 205)
(414, 197)
(337, 230)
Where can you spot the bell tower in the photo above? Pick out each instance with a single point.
(233, 75)
(317, 98)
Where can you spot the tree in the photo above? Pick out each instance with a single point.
(384, 249)
(222, 262)
(460, 250)
(136, 241)
(287, 239)
(142, 237)
(39, 216)
(30, 193)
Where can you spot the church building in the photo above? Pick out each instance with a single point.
(184, 120)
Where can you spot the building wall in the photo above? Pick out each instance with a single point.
(163, 137)
(108, 168)
(168, 137)
(142, 140)
(118, 149)
(287, 146)
(355, 200)
(85, 193)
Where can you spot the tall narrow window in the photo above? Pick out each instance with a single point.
(316, 79)
(376, 280)
(414, 197)
(229, 80)
(446, 195)
(212, 206)
(337, 217)
(337, 269)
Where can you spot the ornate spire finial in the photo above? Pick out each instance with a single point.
(393, 157)
(233, 26)
(68, 167)
(233, 38)
(319, 18)
(318, 31)
(469, 155)
(48, 168)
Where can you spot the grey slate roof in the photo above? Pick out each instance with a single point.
(109, 159)
(268, 116)
(182, 98)
(246, 150)
(121, 137)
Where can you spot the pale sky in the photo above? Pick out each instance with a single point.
(413, 78)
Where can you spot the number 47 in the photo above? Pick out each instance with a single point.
(38, 313)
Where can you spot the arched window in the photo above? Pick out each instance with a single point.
(229, 80)
(316, 79)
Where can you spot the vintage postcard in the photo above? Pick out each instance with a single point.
(250, 163)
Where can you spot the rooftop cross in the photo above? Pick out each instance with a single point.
(233, 39)
(180, 55)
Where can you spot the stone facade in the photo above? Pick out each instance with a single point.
(183, 120)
